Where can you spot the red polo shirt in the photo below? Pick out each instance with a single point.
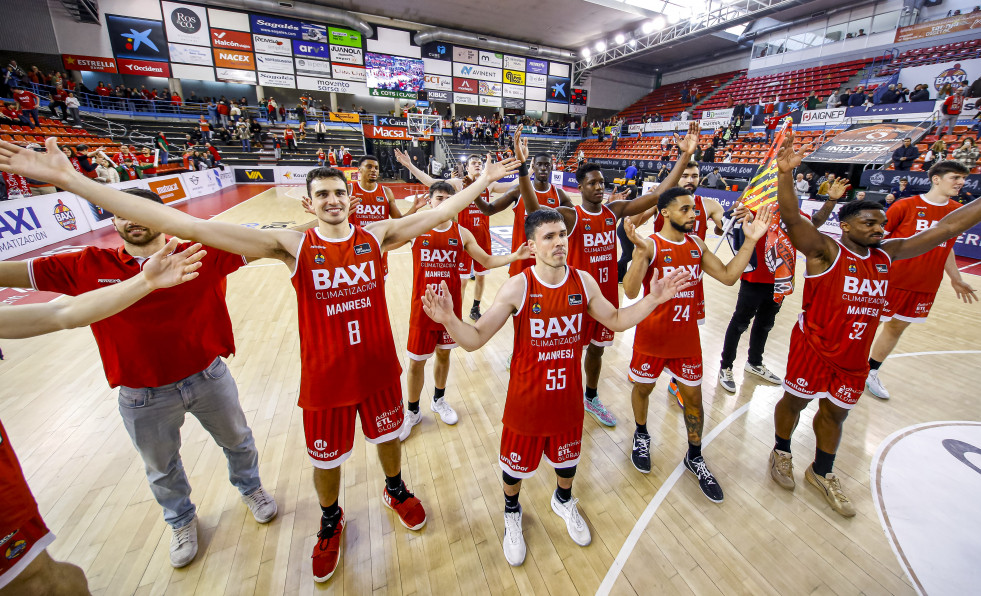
(167, 336)
(25, 99)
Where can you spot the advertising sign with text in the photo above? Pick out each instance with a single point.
(346, 55)
(465, 55)
(272, 45)
(349, 73)
(316, 68)
(186, 23)
(269, 63)
(231, 40)
(285, 81)
(88, 63)
(265, 25)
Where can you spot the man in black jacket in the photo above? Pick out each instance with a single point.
(921, 93)
(904, 156)
(857, 99)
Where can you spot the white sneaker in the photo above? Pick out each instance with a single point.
(262, 505)
(764, 373)
(184, 544)
(726, 380)
(573, 521)
(446, 412)
(514, 539)
(875, 386)
(411, 419)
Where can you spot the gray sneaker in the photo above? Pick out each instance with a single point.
(184, 544)
(726, 380)
(764, 373)
(261, 504)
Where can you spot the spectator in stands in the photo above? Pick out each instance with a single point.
(301, 117)
(904, 156)
(614, 136)
(321, 129)
(104, 172)
(243, 134)
(844, 98)
(630, 173)
(951, 111)
(812, 184)
(684, 116)
(709, 154)
(975, 89)
(727, 158)
(812, 101)
(967, 153)
(945, 92)
(10, 114)
(663, 172)
(57, 103)
(277, 147)
(272, 109)
(81, 161)
(256, 129)
(290, 139)
(771, 125)
(321, 157)
(215, 156)
(282, 112)
(204, 128)
(129, 170)
(28, 105)
(860, 195)
(160, 143)
(825, 186)
(346, 157)
(715, 180)
(8, 78)
(145, 157)
(801, 186)
(937, 152)
(833, 100)
(920, 93)
(858, 98)
(224, 111)
(902, 92)
(860, 33)
(900, 191)
(890, 96)
(235, 113)
(71, 103)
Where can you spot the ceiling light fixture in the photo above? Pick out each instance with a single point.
(585, 52)
(600, 46)
(619, 38)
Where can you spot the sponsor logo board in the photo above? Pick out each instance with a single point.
(186, 23)
(346, 55)
(514, 63)
(331, 85)
(317, 68)
(136, 39)
(536, 66)
(493, 102)
(88, 63)
(270, 63)
(535, 80)
(261, 175)
(266, 44)
(484, 73)
(443, 96)
(344, 37)
(266, 25)
(231, 40)
(232, 75)
(465, 99)
(311, 48)
(516, 91)
(512, 103)
(169, 189)
(190, 54)
(286, 81)
(439, 82)
(465, 55)
(234, 59)
(490, 59)
(492, 89)
(465, 85)
(346, 72)
(145, 68)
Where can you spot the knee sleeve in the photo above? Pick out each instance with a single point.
(569, 472)
(509, 479)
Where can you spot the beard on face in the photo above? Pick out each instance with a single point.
(683, 228)
(147, 237)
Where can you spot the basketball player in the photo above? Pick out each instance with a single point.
(756, 302)
(159, 385)
(377, 202)
(593, 247)
(436, 256)
(914, 282)
(348, 362)
(547, 304)
(845, 289)
(669, 339)
(26, 567)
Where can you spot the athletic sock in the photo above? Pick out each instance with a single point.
(331, 513)
(476, 304)
(438, 395)
(642, 429)
(414, 407)
(393, 483)
(874, 364)
(781, 444)
(694, 451)
(591, 393)
(511, 504)
(563, 494)
(823, 462)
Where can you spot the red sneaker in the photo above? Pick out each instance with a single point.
(410, 510)
(327, 551)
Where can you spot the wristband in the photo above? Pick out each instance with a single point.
(523, 170)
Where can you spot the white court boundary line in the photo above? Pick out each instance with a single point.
(648, 515)
(662, 493)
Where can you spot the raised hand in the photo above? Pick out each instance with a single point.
(838, 189)
(741, 213)
(690, 142)
(52, 166)
(495, 171)
(439, 307)
(664, 289)
(787, 157)
(757, 229)
(643, 247)
(420, 201)
(520, 145)
(403, 158)
(964, 291)
(164, 269)
(620, 196)
(523, 252)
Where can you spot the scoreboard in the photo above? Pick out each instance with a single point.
(578, 97)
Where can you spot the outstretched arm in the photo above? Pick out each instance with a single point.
(729, 273)
(641, 260)
(491, 261)
(621, 319)
(963, 289)
(816, 246)
(951, 226)
(393, 233)
(471, 337)
(834, 193)
(403, 158)
(55, 168)
(161, 270)
(418, 202)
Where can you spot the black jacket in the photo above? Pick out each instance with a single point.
(921, 95)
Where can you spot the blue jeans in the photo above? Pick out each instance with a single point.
(153, 418)
(246, 145)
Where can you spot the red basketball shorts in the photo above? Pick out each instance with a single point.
(330, 433)
(810, 377)
(520, 454)
(646, 369)
(906, 305)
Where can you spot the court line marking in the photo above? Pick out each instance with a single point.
(648, 515)
(662, 493)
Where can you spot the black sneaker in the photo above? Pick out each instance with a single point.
(706, 481)
(475, 313)
(640, 454)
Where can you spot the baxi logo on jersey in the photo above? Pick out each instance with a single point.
(557, 326)
(343, 278)
(436, 255)
(867, 287)
(600, 239)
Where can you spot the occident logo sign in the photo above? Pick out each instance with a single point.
(185, 20)
(144, 67)
(231, 40)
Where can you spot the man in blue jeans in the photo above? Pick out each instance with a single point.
(165, 355)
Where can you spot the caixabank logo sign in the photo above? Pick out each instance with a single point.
(138, 39)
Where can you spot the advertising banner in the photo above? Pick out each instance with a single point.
(490, 59)
(284, 81)
(372, 131)
(265, 44)
(938, 75)
(311, 49)
(558, 89)
(465, 99)
(493, 102)
(465, 55)
(137, 39)
(234, 59)
(916, 111)
(727, 114)
(331, 85)
(558, 108)
(266, 25)
(825, 116)
(271, 63)
(190, 54)
(343, 117)
(951, 24)
(536, 80)
(313, 31)
(146, 68)
(443, 96)
(231, 40)
(88, 63)
(483, 73)
(205, 182)
(465, 85)
(866, 144)
(918, 180)
(346, 72)
(535, 93)
(292, 174)
(231, 75)
(439, 82)
(635, 128)
(558, 69)
(35, 222)
(346, 55)
(514, 63)
(170, 188)
(344, 37)
(536, 66)
(514, 77)
(712, 123)
(254, 176)
(436, 50)
(395, 93)
(727, 170)
(314, 68)
(516, 91)
(486, 88)
(513, 104)
(186, 23)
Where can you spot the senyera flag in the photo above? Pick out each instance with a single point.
(779, 254)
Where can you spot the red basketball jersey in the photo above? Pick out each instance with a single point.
(473, 219)
(545, 390)
(701, 220)
(546, 198)
(910, 216)
(671, 331)
(346, 347)
(18, 502)
(842, 307)
(593, 248)
(373, 206)
(436, 256)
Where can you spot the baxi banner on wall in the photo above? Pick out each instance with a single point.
(866, 143)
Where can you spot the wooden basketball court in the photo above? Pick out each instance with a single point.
(652, 534)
